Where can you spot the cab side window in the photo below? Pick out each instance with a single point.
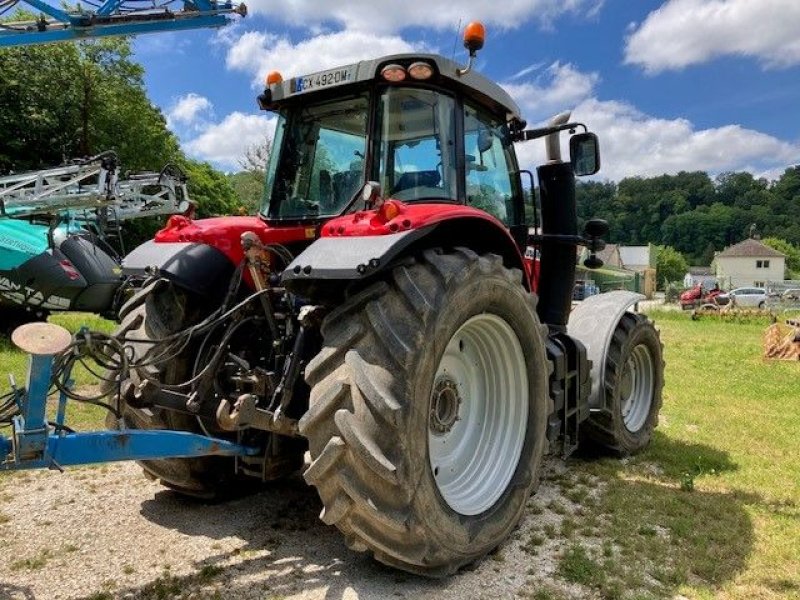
(488, 165)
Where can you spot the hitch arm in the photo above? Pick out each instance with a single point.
(34, 444)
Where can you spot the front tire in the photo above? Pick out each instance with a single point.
(408, 366)
(634, 380)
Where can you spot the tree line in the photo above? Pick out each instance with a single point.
(695, 214)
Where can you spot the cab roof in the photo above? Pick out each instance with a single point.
(446, 74)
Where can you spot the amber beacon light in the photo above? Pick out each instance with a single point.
(474, 38)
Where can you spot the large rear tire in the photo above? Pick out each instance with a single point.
(428, 412)
(634, 380)
(154, 314)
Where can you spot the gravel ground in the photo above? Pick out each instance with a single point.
(107, 532)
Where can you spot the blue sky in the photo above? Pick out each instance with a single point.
(668, 85)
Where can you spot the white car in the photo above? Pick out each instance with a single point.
(748, 296)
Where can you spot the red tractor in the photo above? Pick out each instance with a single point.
(700, 297)
(390, 312)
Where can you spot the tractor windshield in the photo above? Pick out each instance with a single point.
(418, 145)
(317, 164)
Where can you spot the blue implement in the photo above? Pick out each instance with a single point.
(36, 443)
(113, 17)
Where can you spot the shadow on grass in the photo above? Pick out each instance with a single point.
(663, 527)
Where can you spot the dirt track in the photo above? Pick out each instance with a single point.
(108, 532)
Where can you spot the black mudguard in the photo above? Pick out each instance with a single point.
(102, 273)
(198, 268)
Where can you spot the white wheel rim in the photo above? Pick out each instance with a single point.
(478, 414)
(636, 394)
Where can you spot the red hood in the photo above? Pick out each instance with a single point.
(225, 233)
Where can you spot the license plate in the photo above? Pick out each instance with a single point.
(323, 79)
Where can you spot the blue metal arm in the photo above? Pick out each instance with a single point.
(35, 444)
(114, 17)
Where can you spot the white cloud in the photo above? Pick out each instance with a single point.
(384, 17)
(557, 88)
(259, 53)
(187, 110)
(686, 32)
(224, 143)
(637, 144)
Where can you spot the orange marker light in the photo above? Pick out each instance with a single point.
(389, 210)
(474, 36)
(273, 78)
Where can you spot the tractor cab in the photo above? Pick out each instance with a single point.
(418, 125)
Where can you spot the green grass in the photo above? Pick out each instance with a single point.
(14, 362)
(712, 508)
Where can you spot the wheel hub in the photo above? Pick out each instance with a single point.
(478, 415)
(445, 402)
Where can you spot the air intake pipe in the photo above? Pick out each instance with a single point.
(559, 218)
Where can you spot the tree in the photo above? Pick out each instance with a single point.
(248, 184)
(792, 253)
(66, 101)
(670, 266)
(210, 190)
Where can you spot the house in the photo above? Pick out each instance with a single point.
(642, 260)
(702, 275)
(624, 267)
(749, 264)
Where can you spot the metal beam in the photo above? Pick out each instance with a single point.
(114, 17)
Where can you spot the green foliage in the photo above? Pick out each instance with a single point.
(792, 253)
(670, 266)
(249, 189)
(248, 184)
(65, 101)
(210, 189)
(694, 214)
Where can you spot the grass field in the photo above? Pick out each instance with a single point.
(710, 510)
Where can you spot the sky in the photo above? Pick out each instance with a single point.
(668, 85)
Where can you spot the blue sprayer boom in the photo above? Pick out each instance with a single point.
(112, 17)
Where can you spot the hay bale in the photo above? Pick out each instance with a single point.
(782, 343)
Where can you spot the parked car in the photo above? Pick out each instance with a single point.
(746, 296)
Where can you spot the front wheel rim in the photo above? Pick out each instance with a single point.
(637, 385)
(478, 414)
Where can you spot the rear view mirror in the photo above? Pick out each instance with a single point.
(584, 154)
(485, 139)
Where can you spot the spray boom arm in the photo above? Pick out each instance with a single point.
(94, 185)
(89, 19)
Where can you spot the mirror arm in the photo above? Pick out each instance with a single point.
(532, 134)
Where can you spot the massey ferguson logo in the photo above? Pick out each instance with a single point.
(14, 292)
